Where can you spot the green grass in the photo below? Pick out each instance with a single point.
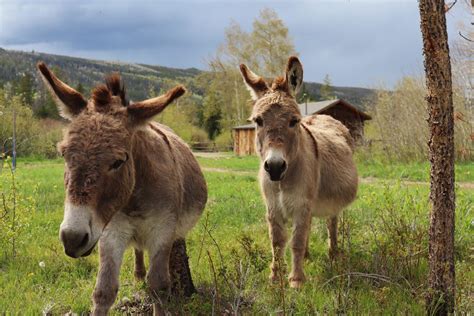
(244, 163)
(413, 171)
(382, 270)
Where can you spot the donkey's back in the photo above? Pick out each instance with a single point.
(338, 174)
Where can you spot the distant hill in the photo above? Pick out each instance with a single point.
(139, 78)
(357, 96)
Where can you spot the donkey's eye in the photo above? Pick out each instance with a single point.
(293, 122)
(259, 121)
(118, 163)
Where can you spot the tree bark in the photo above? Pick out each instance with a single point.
(181, 280)
(440, 298)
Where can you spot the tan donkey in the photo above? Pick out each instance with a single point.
(128, 181)
(306, 166)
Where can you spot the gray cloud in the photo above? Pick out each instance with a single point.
(358, 43)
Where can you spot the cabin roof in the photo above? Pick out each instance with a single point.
(321, 106)
(246, 126)
(318, 107)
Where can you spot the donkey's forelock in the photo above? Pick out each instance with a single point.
(280, 84)
(103, 94)
(277, 101)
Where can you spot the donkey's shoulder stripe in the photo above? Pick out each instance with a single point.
(315, 143)
(165, 138)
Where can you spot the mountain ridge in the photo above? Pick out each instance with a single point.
(140, 78)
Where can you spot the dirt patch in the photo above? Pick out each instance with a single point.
(236, 172)
(213, 154)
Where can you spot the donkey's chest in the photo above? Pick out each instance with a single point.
(289, 203)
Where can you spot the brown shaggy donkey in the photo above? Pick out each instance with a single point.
(128, 181)
(306, 166)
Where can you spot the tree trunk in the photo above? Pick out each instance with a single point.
(440, 299)
(182, 282)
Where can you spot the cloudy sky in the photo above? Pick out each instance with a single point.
(356, 42)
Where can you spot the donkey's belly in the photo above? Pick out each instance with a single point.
(326, 208)
(156, 229)
(293, 203)
(149, 232)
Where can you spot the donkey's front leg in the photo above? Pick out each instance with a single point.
(111, 248)
(278, 237)
(158, 277)
(299, 240)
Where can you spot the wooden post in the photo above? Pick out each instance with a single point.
(440, 299)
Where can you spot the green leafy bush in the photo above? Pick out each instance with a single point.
(33, 137)
(399, 130)
(224, 142)
(16, 211)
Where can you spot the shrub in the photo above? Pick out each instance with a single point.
(224, 142)
(399, 130)
(15, 212)
(33, 137)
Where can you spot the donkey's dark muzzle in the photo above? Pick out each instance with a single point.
(74, 242)
(275, 168)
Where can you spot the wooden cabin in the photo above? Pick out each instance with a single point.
(244, 140)
(350, 115)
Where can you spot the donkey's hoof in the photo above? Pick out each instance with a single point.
(273, 278)
(296, 282)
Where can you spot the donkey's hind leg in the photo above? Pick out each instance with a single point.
(140, 270)
(332, 233)
(306, 253)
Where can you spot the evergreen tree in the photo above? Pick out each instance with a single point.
(326, 90)
(24, 87)
(212, 114)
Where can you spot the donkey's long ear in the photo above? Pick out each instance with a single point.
(294, 75)
(255, 84)
(69, 101)
(142, 111)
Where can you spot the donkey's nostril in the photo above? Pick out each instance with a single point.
(266, 166)
(283, 166)
(84, 241)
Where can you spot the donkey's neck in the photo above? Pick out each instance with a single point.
(306, 153)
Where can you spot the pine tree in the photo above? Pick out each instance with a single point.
(24, 87)
(212, 114)
(326, 90)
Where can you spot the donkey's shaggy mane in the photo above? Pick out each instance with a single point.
(116, 87)
(102, 94)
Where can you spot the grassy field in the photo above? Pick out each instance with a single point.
(382, 269)
(414, 171)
